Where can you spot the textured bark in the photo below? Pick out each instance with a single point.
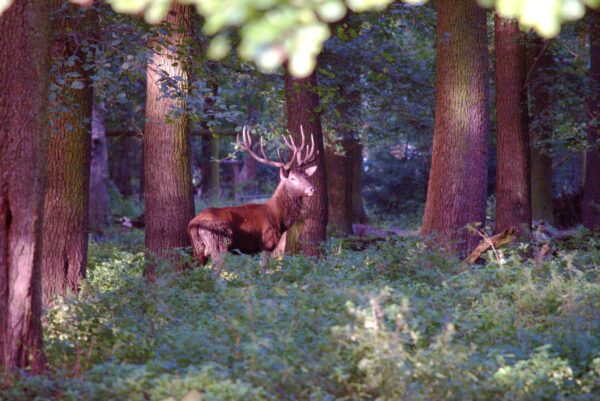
(339, 186)
(513, 195)
(99, 212)
(591, 187)
(540, 104)
(302, 102)
(65, 227)
(24, 51)
(169, 202)
(456, 194)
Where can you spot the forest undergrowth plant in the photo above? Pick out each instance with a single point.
(396, 321)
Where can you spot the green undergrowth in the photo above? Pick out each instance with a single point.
(394, 322)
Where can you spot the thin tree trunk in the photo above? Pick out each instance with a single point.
(339, 186)
(358, 209)
(591, 186)
(540, 103)
(99, 212)
(214, 181)
(302, 104)
(120, 156)
(24, 51)
(513, 194)
(456, 195)
(169, 202)
(66, 207)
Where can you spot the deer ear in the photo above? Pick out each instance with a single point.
(283, 174)
(310, 171)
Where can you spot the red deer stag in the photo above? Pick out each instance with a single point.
(252, 228)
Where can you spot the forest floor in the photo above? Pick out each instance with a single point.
(393, 322)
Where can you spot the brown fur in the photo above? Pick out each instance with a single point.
(249, 228)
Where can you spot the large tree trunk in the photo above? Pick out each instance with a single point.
(541, 126)
(65, 227)
(24, 51)
(513, 194)
(169, 202)
(591, 187)
(99, 212)
(302, 103)
(456, 195)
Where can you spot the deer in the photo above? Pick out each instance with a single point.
(253, 228)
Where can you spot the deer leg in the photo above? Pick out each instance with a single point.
(280, 248)
(216, 242)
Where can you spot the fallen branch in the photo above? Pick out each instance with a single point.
(496, 241)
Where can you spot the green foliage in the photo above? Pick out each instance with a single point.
(397, 321)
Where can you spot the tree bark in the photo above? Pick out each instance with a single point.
(591, 187)
(169, 202)
(339, 185)
(24, 51)
(99, 212)
(513, 194)
(456, 194)
(540, 103)
(302, 104)
(66, 207)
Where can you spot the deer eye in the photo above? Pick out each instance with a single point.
(292, 178)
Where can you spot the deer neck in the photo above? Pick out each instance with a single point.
(287, 208)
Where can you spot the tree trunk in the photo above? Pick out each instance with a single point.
(591, 187)
(456, 194)
(541, 162)
(302, 103)
(358, 209)
(99, 212)
(513, 194)
(24, 51)
(65, 227)
(121, 154)
(339, 168)
(245, 177)
(169, 202)
(214, 182)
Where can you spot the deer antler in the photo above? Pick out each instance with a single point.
(310, 154)
(246, 145)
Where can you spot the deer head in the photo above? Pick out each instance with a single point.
(293, 178)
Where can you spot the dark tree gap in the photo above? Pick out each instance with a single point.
(302, 104)
(456, 194)
(66, 206)
(169, 202)
(25, 54)
(513, 194)
(591, 186)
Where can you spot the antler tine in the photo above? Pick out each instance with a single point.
(309, 154)
(246, 145)
(302, 142)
